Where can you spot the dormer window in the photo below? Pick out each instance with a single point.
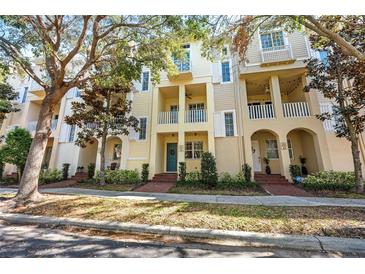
(272, 41)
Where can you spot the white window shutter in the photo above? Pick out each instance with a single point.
(235, 123)
(219, 124)
(216, 72)
(138, 84)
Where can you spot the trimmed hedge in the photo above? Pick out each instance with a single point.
(330, 180)
(47, 176)
(225, 181)
(120, 176)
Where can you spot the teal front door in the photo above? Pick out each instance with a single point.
(171, 164)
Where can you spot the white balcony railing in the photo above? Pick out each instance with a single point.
(294, 110)
(257, 112)
(32, 125)
(168, 117)
(276, 54)
(196, 116)
(183, 65)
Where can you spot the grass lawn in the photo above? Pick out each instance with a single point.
(196, 190)
(329, 221)
(113, 187)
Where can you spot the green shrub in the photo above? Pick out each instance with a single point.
(120, 176)
(9, 180)
(294, 171)
(192, 179)
(246, 170)
(330, 180)
(90, 170)
(182, 171)
(47, 176)
(145, 172)
(65, 168)
(227, 181)
(209, 170)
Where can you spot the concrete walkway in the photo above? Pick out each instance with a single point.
(214, 199)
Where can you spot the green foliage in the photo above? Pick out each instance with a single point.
(16, 147)
(145, 172)
(9, 180)
(120, 176)
(229, 182)
(246, 169)
(295, 171)
(1, 170)
(182, 171)
(90, 170)
(330, 180)
(65, 168)
(49, 176)
(7, 94)
(209, 169)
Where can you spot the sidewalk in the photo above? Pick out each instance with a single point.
(299, 242)
(214, 199)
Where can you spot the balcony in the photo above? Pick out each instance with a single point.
(32, 125)
(257, 112)
(168, 117)
(277, 56)
(196, 116)
(183, 66)
(296, 110)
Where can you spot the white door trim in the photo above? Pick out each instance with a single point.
(256, 156)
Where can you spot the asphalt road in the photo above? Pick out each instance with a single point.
(31, 241)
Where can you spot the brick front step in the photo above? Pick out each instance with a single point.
(165, 178)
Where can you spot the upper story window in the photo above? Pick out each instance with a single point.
(323, 56)
(272, 41)
(25, 94)
(143, 128)
(71, 136)
(184, 63)
(228, 121)
(225, 51)
(226, 75)
(145, 80)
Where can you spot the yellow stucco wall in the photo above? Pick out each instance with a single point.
(226, 150)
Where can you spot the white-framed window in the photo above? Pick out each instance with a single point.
(143, 128)
(71, 135)
(272, 151)
(183, 64)
(25, 94)
(193, 150)
(290, 149)
(145, 80)
(272, 41)
(226, 71)
(229, 123)
(225, 51)
(196, 106)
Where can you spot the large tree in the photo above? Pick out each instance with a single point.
(67, 49)
(341, 78)
(7, 94)
(105, 108)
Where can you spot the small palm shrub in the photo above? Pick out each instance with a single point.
(182, 171)
(90, 170)
(330, 180)
(295, 171)
(47, 176)
(120, 176)
(246, 170)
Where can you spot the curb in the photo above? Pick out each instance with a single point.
(313, 243)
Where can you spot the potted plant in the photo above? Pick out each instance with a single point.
(303, 160)
(267, 168)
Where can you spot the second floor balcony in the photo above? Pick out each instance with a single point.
(276, 54)
(191, 116)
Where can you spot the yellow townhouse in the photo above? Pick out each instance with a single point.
(242, 112)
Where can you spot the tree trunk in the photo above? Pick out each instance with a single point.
(28, 187)
(357, 165)
(102, 157)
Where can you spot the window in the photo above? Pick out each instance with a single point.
(71, 135)
(184, 63)
(143, 127)
(25, 94)
(174, 108)
(323, 56)
(226, 75)
(193, 150)
(272, 41)
(117, 151)
(272, 149)
(77, 93)
(228, 121)
(290, 149)
(198, 106)
(145, 80)
(225, 51)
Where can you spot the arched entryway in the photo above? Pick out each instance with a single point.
(303, 143)
(88, 155)
(265, 144)
(113, 152)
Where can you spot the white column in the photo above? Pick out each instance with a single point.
(276, 96)
(284, 156)
(153, 148)
(210, 117)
